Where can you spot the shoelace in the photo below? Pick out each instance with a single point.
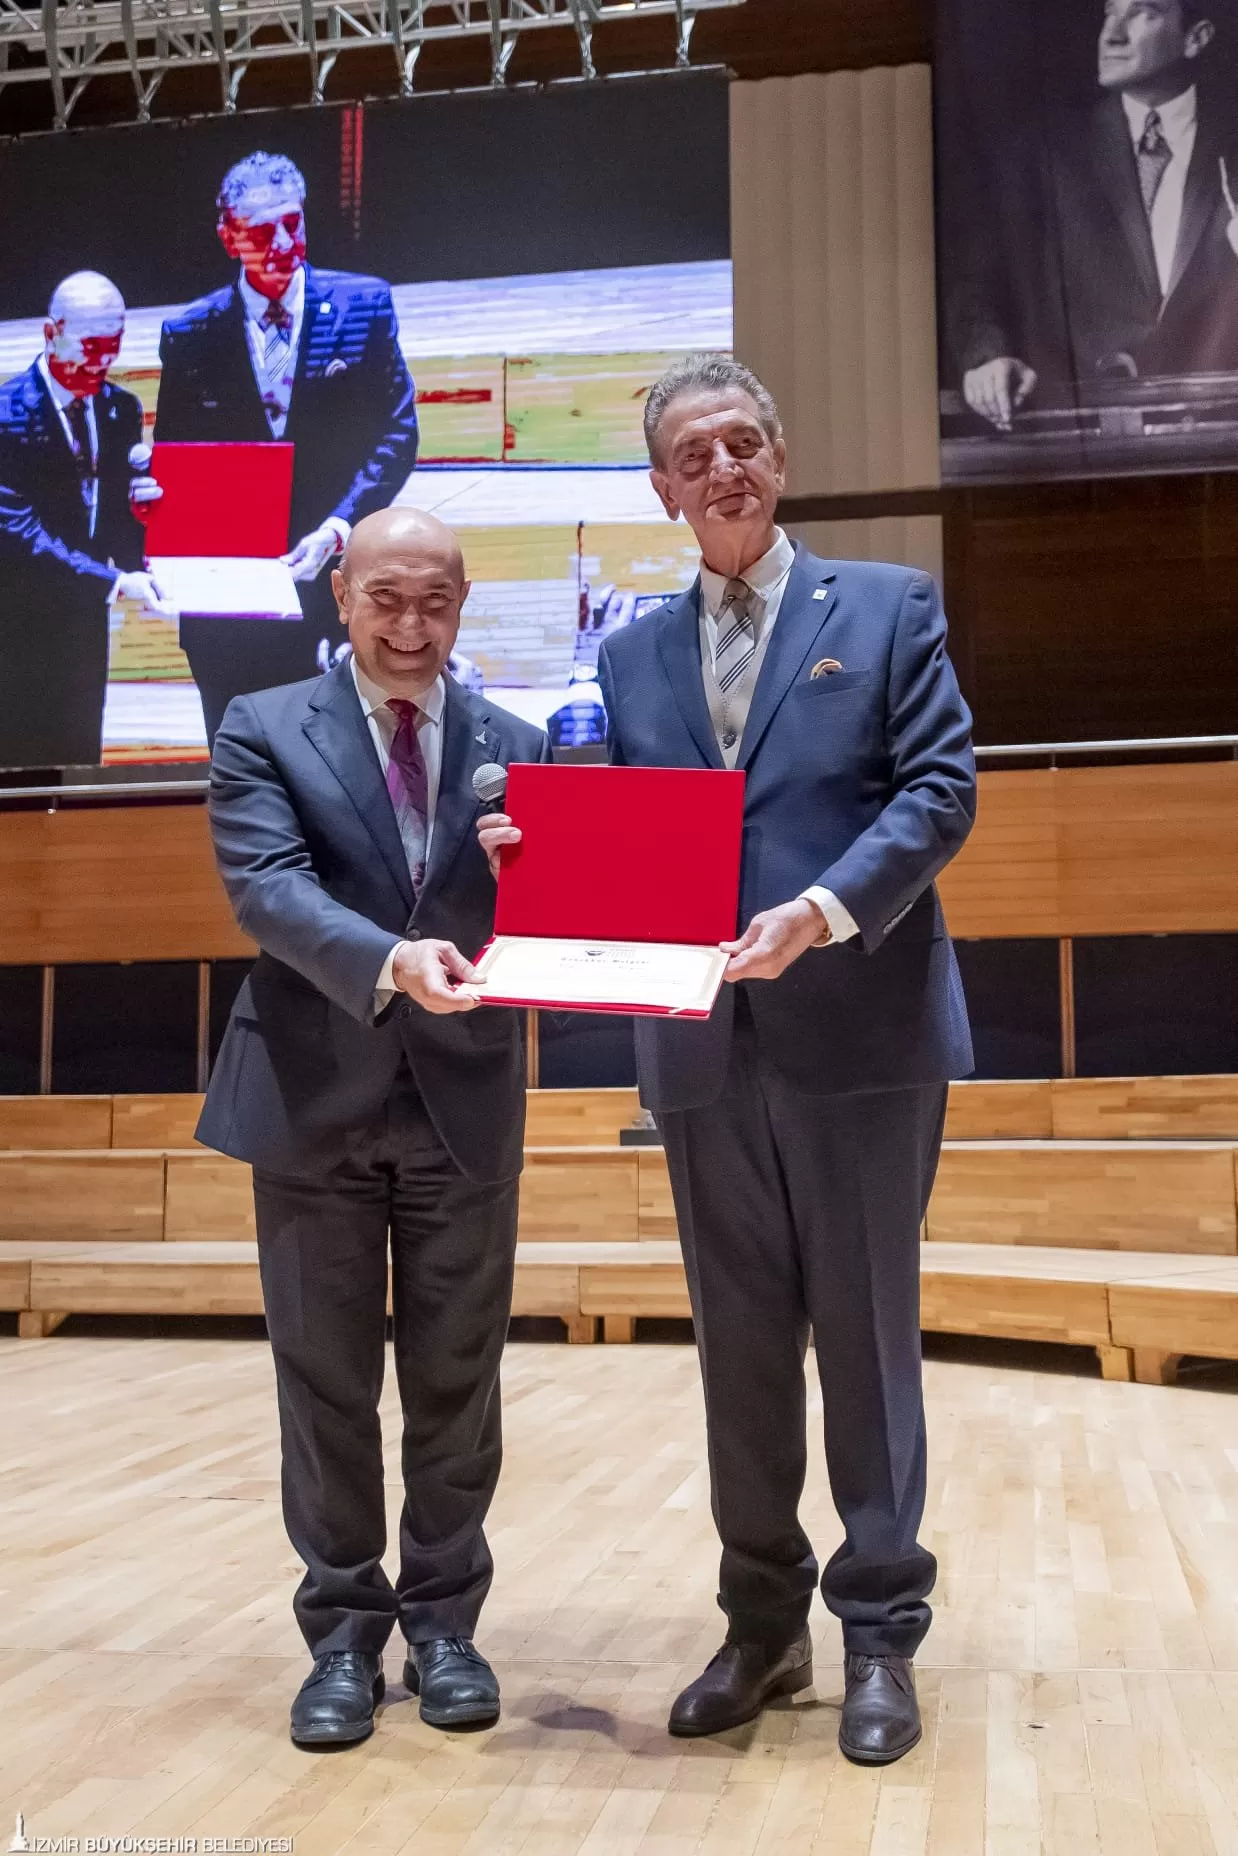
(861, 1669)
(332, 1661)
(462, 1647)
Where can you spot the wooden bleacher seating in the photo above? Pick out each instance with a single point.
(1101, 1213)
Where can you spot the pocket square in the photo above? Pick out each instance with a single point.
(824, 667)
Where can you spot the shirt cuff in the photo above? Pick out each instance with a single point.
(385, 987)
(343, 529)
(842, 923)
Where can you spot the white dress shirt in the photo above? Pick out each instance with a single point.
(62, 398)
(256, 306)
(382, 724)
(767, 579)
(1178, 127)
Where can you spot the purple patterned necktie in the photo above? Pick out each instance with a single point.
(409, 786)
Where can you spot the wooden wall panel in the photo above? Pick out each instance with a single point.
(1100, 850)
(112, 883)
(1083, 850)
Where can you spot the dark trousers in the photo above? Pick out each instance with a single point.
(802, 1213)
(323, 1249)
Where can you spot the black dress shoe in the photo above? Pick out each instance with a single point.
(335, 1704)
(458, 1688)
(736, 1685)
(881, 1716)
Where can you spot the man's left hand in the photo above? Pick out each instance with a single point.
(773, 939)
(311, 554)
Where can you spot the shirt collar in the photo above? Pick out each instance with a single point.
(373, 697)
(256, 305)
(1177, 117)
(764, 576)
(61, 396)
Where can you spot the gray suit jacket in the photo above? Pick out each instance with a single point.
(308, 848)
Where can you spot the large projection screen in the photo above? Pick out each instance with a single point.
(524, 258)
(1087, 168)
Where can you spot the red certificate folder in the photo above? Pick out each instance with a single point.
(625, 882)
(221, 500)
(215, 537)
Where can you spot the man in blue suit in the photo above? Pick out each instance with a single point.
(802, 1121)
(296, 354)
(382, 1114)
(70, 542)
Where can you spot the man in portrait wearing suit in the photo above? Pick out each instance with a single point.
(292, 353)
(383, 1117)
(1118, 232)
(70, 542)
(802, 1120)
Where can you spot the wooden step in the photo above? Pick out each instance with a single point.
(999, 1111)
(578, 1117)
(155, 1121)
(210, 1199)
(579, 1194)
(1123, 1195)
(58, 1122)
(105, 1196)
(1139, 1311)
(1165, 1312)
(1146, 1107)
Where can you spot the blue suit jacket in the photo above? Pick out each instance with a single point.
(311, 857)
(353, 417)
(44, 524)
(862, 781)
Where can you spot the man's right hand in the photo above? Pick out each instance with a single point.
(424, 970)
(495, 830)
(998, 388)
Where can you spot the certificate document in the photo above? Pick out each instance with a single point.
(619, 976)
(223, 587)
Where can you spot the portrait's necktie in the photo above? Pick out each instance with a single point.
(1152, 157)
(737, 637)
(409, 787)
(276, 355)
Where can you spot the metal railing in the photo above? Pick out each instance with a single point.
(126, 791)
(65, 45)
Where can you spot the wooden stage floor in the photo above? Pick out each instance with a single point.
(1080, 1685)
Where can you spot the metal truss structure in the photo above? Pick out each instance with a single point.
(65, 45)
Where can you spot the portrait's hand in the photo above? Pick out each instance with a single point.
(495, 829)
(311, 554)
(425, 969)
(144, 590)
(773, 939)
(998, 388)
(144, 490)
(1231, 207)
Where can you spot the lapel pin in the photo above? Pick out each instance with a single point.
(480, 739)
(821, 592)
(824, 667)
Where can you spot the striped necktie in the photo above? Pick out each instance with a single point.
(409, 787)
(276, 359)
(1152, 157)
(737, 636)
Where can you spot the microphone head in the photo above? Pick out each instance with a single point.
(140, 457)
(490, 784)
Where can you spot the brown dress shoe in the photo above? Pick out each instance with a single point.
(881, 1716)
(736, 1685)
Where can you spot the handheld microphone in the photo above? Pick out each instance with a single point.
(490, 785)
